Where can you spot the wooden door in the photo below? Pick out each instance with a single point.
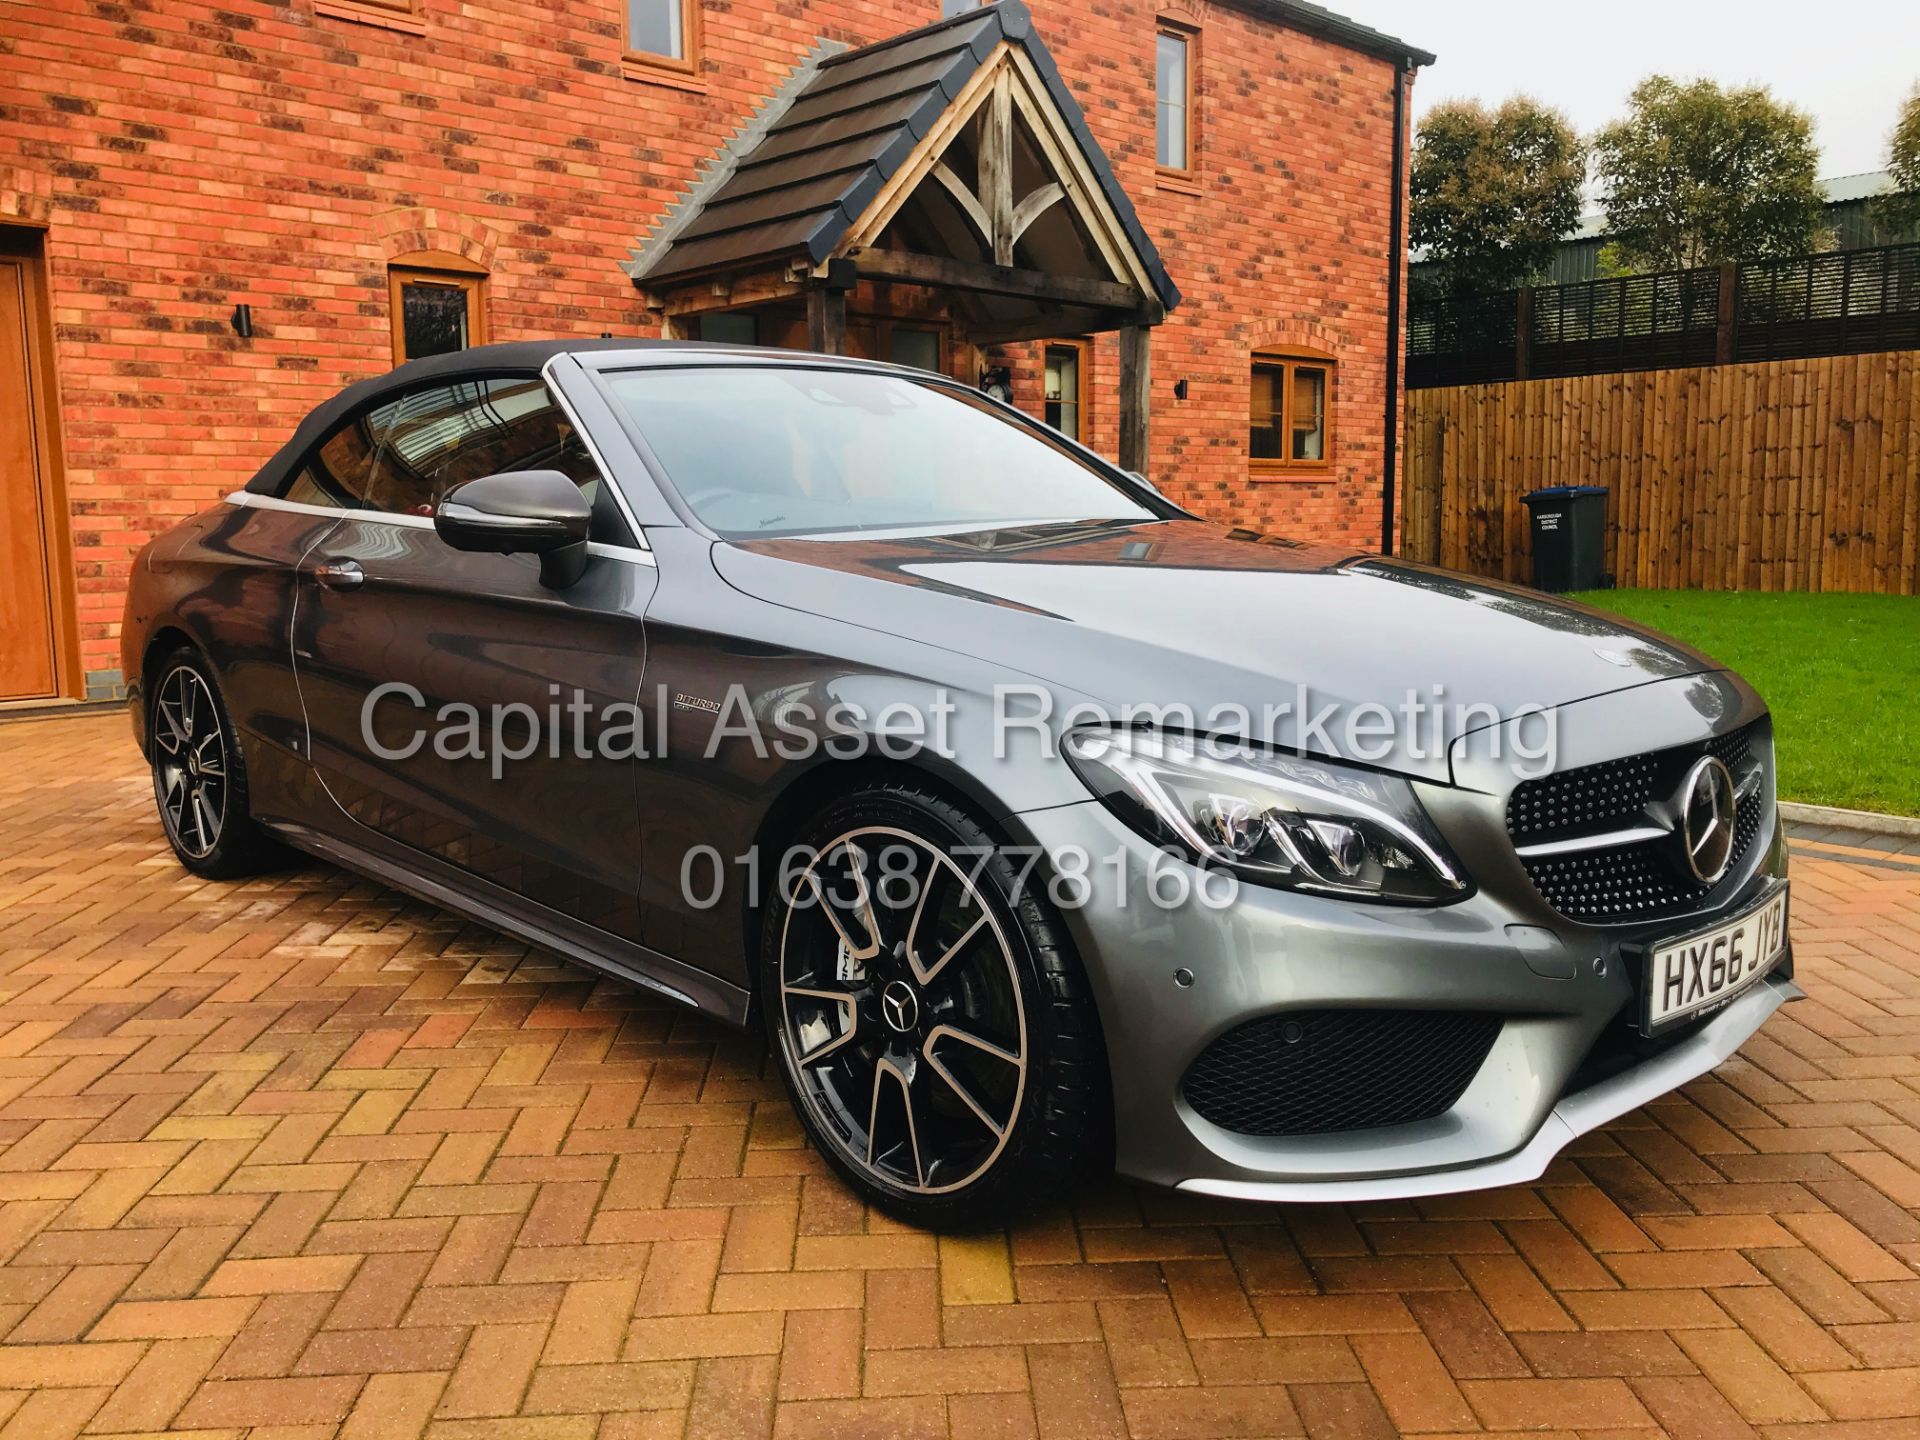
(28, 668)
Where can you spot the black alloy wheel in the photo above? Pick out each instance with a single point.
(189, 763)
(199, 774)
(931, 1024)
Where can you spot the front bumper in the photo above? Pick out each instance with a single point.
(1574, 1116)
(1169, 980)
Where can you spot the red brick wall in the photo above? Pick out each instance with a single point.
(188, 156)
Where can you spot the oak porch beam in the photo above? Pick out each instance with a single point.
(1136, 396)
(941, 272)
(735, 292)
(827, 320)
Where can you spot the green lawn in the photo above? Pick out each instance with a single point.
(1841, 673)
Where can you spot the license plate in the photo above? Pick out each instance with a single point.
(1705, 970)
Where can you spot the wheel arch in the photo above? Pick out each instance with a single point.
(162, 642)
(810, 790)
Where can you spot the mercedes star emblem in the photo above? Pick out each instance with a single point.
(1707, 805)
(898, 1005)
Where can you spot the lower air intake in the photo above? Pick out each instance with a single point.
(1316, 1072)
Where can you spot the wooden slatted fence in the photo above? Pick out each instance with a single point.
(1787, 475)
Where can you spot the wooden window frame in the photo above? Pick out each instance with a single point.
(1081, 398)
(438, 269)
(1284, 468)
(646, 65)
(401, 15)
(1178, 177)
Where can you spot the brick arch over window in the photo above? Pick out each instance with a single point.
(1305, 337)
(422, 229)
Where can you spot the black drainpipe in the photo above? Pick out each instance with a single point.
(1396, 223)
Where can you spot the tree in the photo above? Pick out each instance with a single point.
(1696, 175)
(1899, 211)
(1493, 191)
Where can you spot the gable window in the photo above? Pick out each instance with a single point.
(437, 306)
(1066, 389)
(1173, 97)
(663, 32)
(1288, 425)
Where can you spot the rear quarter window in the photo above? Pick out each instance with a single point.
(335, 472)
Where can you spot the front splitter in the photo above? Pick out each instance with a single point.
(1573, 1117)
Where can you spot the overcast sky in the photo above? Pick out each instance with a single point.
(1847, 63)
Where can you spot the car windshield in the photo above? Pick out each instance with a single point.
(793, 450)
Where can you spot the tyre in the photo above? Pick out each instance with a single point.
(927, 1012)
(200, 774)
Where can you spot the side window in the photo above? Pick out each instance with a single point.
(1173, 96)
(1287, 425)
(435, 438)
(1066, 388)
(664, 33)
(730, 327)
(336, 470)
(918, 348)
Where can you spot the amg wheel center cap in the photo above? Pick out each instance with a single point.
(1707, 805)
(900, 1006)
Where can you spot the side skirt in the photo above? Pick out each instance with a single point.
(437, 883)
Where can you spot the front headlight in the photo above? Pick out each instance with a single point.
(1278, 819)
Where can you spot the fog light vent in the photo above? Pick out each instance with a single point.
(1315, 1072)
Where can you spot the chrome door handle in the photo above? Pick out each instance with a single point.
(340, 574)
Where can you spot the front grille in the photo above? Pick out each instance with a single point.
(1315, 1072)
(1641, 881)
(1594, 797)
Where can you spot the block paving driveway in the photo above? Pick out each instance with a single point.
(303, 1157)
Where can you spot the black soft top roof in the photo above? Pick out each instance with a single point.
(516, 357)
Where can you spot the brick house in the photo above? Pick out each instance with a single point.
(213, 215)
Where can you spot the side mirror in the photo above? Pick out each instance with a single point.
(531, 512)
